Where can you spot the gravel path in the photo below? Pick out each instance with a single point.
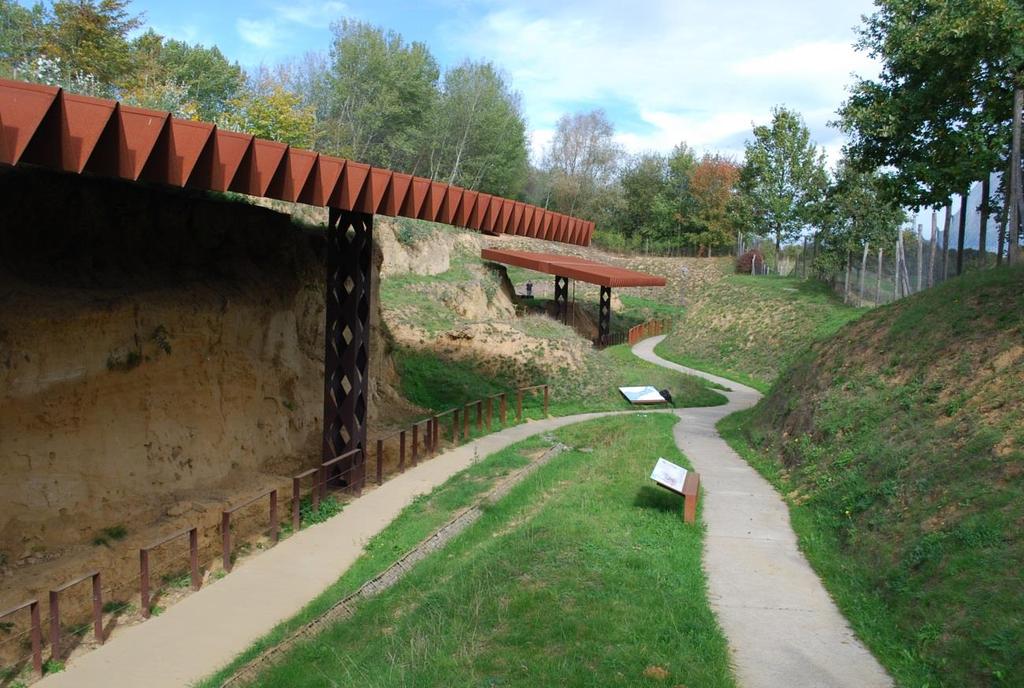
(784, 631)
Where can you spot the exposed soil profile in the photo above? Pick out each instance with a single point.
(161, 353)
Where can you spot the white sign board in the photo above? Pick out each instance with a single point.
(642, 395)
(669, 475)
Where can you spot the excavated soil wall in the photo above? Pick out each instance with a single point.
(161, 354)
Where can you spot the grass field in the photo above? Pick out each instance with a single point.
(583, 575)
(750, 329)
(593, 389)
(899, 444)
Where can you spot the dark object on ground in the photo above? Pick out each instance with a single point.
(667, 396)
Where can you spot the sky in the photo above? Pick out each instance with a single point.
(664, 71)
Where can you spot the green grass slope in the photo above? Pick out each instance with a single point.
(750, 329)
(583, 575)
(899, 443)
(594, 388)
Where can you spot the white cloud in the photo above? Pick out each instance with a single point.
(259, 33)
(311, 13)
(668, 70)
(277, 30)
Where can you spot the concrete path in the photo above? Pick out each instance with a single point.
(784, 631)
(208, 629)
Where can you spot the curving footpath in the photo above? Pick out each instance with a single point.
(209, 628)
(783, 629)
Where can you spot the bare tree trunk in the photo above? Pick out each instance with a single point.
(905, 274)
(803, 256)
(863, 269)
(986, 189)
(934, 243)
(961, 231)
(846, 283)
(920, 255)
(1013, 253)
(1003, 217)
(878, 280)
(896, 268)
(945, 240)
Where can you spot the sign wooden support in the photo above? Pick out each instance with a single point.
(691, 492)
(680, 481)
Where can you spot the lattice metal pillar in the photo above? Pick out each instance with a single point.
(604, 316)
(347, 346)
(562, 298)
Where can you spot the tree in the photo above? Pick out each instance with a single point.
(857, 213)
(381, 94)
(941, 112)
(266, 109)
(91, 37)
(479, 133)
(583, 160)
(647, 211)
(21, 35)
(784, 176)
(712, 188)
(681, 164)
(210, 79)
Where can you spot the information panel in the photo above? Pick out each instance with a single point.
(670, 475)
(642, 395)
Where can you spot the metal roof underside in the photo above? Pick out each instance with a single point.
(45, 126)
(574, 268)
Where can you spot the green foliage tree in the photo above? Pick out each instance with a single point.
(647, 212)
(479, 133)
(857, 213)
(265, 108)
(91, 37)
(209, 80)
(21, 35)
(941, 111)
(381, 94)
(784, 177)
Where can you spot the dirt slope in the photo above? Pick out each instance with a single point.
(900, 442)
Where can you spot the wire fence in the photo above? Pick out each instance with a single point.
(876, 275)
(173, 565)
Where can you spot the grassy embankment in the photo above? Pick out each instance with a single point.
(750, 329)
(594, 390)
(899, 444)
(583, 573)
(591, 385)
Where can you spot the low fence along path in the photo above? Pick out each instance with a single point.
(207, 629)
(784, 631)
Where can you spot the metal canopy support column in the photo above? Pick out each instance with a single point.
(604, 316)
(347, 346)
(561, 297)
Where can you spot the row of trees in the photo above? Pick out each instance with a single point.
(372, 96)
(945, 111)
(377, 98)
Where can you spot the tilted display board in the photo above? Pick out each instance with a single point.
(642, 395)
(680, 481)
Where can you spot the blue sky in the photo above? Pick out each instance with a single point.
(664, 70)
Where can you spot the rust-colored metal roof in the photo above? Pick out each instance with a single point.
(574, 268)
(45, 126)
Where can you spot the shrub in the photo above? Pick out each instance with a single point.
(745, 262)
